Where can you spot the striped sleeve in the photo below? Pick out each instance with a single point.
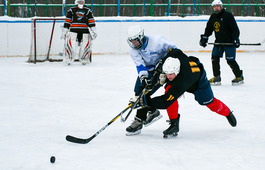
(68, 19)
(91, 20)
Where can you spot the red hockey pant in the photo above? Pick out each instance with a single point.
(216, 106)
(173, 109)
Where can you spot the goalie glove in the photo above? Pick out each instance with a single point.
(93, 33)
(162, 79)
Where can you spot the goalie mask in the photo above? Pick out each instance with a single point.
(171, 65)
(80, 3)
(135, 36)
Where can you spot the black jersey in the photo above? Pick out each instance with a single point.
(78, 20)
(224, 26)
(186, 80)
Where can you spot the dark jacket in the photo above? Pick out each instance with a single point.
(224, 25)
(186, 81)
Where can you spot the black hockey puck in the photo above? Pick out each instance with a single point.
(52, 159)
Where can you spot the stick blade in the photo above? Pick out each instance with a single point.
(73, 139)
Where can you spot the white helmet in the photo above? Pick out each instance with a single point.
(171, 65)
(80, 3)
(135, 37)
(217, 2)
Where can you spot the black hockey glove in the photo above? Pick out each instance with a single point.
(145, 100)
(147, 83)
(236, 43)
(204, 40)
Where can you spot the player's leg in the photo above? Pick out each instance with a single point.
(217, 53)
(204, 96)
(153, 114)
(174, 117)
(230, 53)
(137, 124)
(85, 49)
(70, 42)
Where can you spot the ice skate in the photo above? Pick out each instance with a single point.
(173, 129)
(152, 117)
(135, 127)
(231, 119)
(215, 81)
(238, 81)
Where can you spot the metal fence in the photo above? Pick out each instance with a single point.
(51, 8)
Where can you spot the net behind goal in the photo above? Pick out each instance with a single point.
(47, 43)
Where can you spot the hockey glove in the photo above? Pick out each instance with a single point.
(145, 100)
(204, 40)
(236, 43)
(162, 79)
(147, 83)
(93, 33)
(158, 66)
(133, 99)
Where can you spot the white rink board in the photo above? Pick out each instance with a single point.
(185, 32)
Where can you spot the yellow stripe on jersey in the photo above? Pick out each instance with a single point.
(195, 69)
(170, 98)
(192, 63)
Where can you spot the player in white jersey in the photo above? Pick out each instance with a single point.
(146, 52)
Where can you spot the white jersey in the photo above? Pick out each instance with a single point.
(154, 48)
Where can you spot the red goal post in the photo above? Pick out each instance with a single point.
(47, 43)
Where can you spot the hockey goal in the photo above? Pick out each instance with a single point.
(47, 43)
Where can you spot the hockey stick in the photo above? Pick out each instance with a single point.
(144, 92)
(73, 139)
(131, 106)
(134, 105)
(254, 44)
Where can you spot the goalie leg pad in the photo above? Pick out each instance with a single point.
(85, 49)
(69, 50)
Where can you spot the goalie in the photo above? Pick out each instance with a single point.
(79, 31)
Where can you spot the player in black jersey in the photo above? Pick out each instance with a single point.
(185, 74)
(224, 25)
(80, 30)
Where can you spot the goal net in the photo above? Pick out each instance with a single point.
(47, 43)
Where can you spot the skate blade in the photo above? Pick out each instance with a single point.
(216, 84)
(239, 83)
(170, 136)
(154, 120)
(133, 133)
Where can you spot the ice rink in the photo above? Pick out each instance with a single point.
(42, 103)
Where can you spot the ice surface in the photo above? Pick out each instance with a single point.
(42, 103)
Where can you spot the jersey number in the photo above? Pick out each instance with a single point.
(194, 67)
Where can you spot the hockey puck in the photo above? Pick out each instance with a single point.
(52, 159)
